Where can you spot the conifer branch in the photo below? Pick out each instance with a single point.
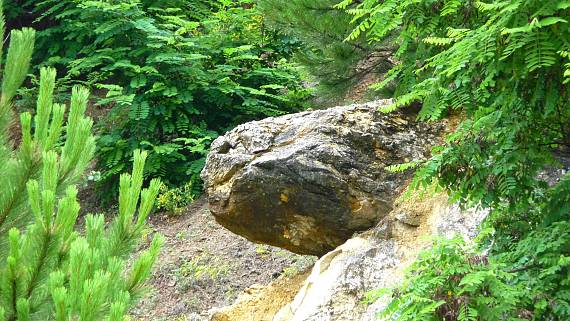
(48, 270)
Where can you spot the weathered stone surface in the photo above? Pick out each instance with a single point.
(375, 259)
(306, 182)
(260, 303)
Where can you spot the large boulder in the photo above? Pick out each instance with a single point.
(307, 181)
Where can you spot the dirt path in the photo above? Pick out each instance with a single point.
(203, 266)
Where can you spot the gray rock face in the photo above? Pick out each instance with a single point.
(306, 182)
(339, 281)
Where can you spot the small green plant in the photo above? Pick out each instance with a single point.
(200, 270)
(203, 267)
(299, 264)
(174, 200)
(185, 235)
(261, 249)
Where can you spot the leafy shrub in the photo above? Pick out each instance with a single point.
(178, 74)
(525, 279)
(451, 281)
(48, 271)
(173, 200)
(456, 281)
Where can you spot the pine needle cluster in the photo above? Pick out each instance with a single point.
(48, 270)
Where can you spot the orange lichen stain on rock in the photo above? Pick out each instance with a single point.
(286, 234)
(355, 205)
(400, 121)
(380, 152)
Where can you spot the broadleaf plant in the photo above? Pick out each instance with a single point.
(176, 73)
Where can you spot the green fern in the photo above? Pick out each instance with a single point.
(540, 51)
(139, 111)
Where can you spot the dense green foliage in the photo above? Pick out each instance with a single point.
(177, 74)
(504, 72)
(504, 65)
(336, 65)
(455, 281)
(48, 271)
